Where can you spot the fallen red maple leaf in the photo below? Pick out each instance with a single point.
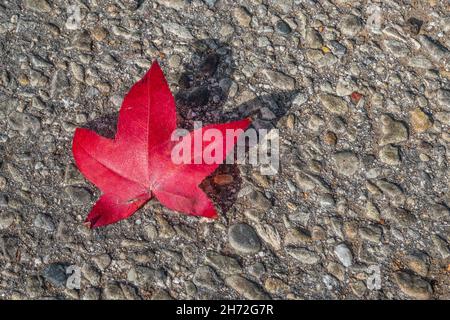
(136, 165)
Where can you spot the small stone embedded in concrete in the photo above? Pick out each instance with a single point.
(372, 211)
(55, 273)
(242, 16)
(78, 195)
(26, 124)
(392, 191)
(392, 131)
(244, 239)
(178, 30)
(246, 288)
(313, 39)
(350, 25)
(389, 154)
(344, 254)
(44, 222)
(303, 255)
(413, 286)
(420, 121)
(282, 27)
(333, 103)
(223, 264)
(6, 220)
(206, 278)
(41, 6)
(346, 163)
(279, 80)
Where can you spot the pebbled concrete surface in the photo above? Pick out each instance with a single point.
(360, 94)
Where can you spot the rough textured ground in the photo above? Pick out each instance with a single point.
(363, 110)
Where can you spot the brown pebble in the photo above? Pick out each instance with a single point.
(420, 120)
(99, 33)
(329, 138)
(23, 80)
(223, 179)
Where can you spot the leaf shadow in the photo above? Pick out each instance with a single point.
(204, 87)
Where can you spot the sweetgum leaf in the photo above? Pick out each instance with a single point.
(136, 165)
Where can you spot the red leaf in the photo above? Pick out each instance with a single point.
(137, 164)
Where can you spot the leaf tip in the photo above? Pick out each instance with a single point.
(155, 65)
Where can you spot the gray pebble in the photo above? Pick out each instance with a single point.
(177, 30)
(24, 123)
(282, 27)
(441, 246)
(397, 48)
(44, 222)
(371, 234)
(59, 83)
(346, 163)
(443, 98)
(78, 195)
(333, 104)
(344, 254)
(91, 294)
(3, 200)
(221, 263)
(55, 273)
(205, 277)
(313, 39)
(6, 220)
(279, 80)
(246, 288)
(392, 131)
(113, 291)
(244, 239)
(82, 41)
(303, 255)
(390, 155)
(259, 200)
(337, 48)
(435, 49)
(392, 191)
(350, 25)
(147, 277)
(38, 5)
